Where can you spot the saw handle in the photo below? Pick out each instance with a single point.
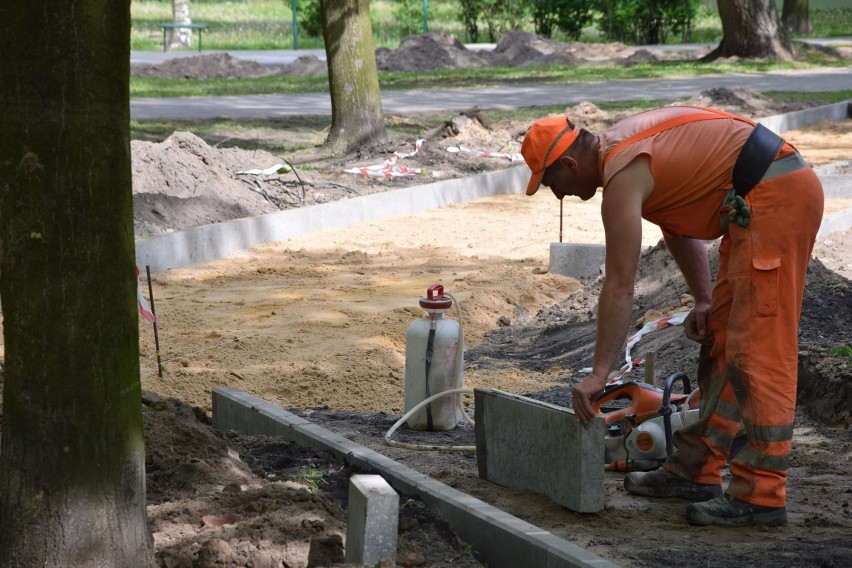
(666, 410)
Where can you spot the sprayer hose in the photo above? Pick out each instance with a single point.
(417, 407)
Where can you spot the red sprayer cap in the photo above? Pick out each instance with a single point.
(435, 299)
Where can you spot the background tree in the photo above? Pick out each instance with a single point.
(470, 11)
(643, 22)
(750, 28)
(72, 464)
(794, 14)
(310, 18)
(568, 16)
(353, 81)
(180, 37)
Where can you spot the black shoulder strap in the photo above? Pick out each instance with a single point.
(754, 158)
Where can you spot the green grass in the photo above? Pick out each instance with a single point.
(845, 351)
(268, 24)
(468, 78)
(311, 477)
(831, 22)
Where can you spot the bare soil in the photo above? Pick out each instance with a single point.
(317, 325)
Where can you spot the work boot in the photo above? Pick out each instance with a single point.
(663, 483)
(731, 512)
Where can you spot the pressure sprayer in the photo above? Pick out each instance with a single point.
(434, 366)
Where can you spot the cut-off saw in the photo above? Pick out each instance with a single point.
(641, 420)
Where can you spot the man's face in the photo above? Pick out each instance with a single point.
(565, 177)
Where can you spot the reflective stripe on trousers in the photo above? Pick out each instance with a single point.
(748, 375)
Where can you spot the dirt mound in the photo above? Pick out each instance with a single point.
(428, 52)
(207, 66)
(306, 65)
(433, 51)
(745, 102)
(525, 49)
(183, 182)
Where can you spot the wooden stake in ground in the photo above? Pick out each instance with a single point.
(154, 312)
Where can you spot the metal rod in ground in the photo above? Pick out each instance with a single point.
(560, 220)
(154, 312)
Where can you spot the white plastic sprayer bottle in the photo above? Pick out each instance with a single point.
(431, 352)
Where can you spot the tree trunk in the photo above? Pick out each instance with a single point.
(72, 458)
(796, 17)
(353, 81)
(750, 29)
(180, 37)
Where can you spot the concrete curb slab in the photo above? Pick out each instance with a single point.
(501, 539)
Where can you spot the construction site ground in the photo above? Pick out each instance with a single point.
(317, 325)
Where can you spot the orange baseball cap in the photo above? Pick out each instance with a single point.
(546, 140)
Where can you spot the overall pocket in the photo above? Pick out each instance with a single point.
(765, 285)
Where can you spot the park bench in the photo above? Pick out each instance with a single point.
(172, 26)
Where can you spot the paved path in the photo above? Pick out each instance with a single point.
(507, 97)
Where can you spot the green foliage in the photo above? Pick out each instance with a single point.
(311, 477)
(831, 22)
(310, 18)
(267, 24)
(470, 11)
(568, 16)
(844, 351)
(646, 22)
(409, 15)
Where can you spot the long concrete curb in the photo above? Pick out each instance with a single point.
(501, 539)
(792, 120)
(218, 240)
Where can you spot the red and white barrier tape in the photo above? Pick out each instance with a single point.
(671, 319)
(390, 168)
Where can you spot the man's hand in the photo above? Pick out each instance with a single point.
(695, 324)
(583, 392)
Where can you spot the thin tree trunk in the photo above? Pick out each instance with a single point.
(180, 37)
(356, 104)
(795, 16)
(72, 464)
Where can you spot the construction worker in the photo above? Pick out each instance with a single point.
(699, 174)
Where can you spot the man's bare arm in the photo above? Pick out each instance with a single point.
(621, 212)
(691, 257)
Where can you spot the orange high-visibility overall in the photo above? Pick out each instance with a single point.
(748, 374)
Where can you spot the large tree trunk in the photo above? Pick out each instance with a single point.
(180, 37)
(72, 459)
(356, 104)
(795, 16)
(750, 28)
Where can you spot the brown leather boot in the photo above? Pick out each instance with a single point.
(663, 483)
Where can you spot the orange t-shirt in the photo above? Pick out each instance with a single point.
(692, 165)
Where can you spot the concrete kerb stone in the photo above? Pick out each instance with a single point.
(501, 539)
(372, 520)
(780, 123)
(218, 240)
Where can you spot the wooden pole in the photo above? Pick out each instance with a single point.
(154, 311)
